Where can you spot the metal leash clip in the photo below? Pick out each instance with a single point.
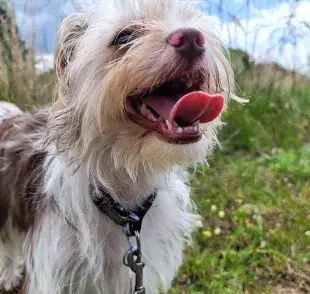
(133, 259)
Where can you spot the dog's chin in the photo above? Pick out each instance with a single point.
(161, 155)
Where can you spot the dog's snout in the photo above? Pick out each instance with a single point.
(189, 43)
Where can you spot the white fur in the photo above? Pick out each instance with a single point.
(90, 260)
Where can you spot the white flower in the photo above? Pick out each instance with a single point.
(213, 208)
(217, 231)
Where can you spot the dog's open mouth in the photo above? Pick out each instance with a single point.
(174, 110)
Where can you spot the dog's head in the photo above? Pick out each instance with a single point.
(145, 79)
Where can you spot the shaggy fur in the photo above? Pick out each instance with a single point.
(50, 158)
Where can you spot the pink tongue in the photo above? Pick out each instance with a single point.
(193, 107)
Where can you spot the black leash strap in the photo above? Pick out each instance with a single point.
(131, 221)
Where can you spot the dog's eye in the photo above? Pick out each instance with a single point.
(123, 38)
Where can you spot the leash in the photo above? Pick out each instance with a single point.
(133, 259)
(131, 223)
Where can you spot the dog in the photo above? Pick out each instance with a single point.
(141, 88)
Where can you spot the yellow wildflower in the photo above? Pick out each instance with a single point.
(207, 234)
(213, 208)
(221, 213)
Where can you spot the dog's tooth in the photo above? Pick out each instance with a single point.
(189, 83)
(149, 114)
(143, 109)
(168, 125)
(153, 118)
(179, 130)
(196, 128)
(189, 130)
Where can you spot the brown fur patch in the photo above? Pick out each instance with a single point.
(21, 166)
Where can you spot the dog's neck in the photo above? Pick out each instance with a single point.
(119, 184)
(122, 188)
(132, 191)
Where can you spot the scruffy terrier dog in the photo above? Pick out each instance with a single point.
(141, 86)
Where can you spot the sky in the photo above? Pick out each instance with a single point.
(264, 28)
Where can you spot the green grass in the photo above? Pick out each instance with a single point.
(255, 231)
(271, 120)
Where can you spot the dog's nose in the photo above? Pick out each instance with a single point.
(189, 43)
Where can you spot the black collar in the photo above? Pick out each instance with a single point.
(130, 220)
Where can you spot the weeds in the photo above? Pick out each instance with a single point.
(19, 82)
(255, 231)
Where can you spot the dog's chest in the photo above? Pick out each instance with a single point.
(90, 258)
(163, 234)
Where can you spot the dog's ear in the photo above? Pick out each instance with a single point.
(70, 32)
